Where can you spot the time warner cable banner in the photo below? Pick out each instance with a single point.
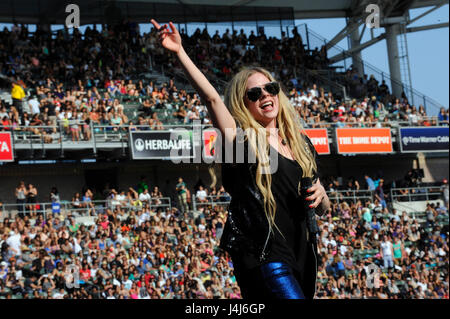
(423, 139)
(161, 144)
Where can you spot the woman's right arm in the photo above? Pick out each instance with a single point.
(220, 116)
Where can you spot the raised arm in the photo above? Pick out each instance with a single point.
(220, 116)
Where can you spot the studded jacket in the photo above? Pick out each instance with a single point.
(246, 226)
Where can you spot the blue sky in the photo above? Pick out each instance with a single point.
(428, 50)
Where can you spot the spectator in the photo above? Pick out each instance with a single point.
(182, 195)
(339, 242)
(201, 195)
(370, 183)
(31, 199)
(445, 193)
(17, 95)
(145, 197)
(379, 194)
(398, 251)
(21, 194)
(387, 252)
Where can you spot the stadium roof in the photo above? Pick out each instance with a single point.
(102, 11)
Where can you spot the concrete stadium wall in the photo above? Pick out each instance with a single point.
(436, 167)
(415, 206)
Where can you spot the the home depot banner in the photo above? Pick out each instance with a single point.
(363, 140)
(319, 138)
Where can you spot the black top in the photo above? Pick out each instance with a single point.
(289, 246)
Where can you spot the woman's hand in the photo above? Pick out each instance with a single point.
(171, 40)
(318, 196)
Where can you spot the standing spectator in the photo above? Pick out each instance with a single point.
(398, 250)
(445, 194)
(387, 252)
(31, 199)
(379, 194)
(367, 215)
(370, 183)
(87, 200)
(14, 244)
(431, 215)
(182, 195)
(34, 106)
(17, 95)
(21, 193)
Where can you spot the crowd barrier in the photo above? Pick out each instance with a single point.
(83, 208)
(428, 193)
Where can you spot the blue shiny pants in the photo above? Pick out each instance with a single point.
(280, 281)
(273, 280)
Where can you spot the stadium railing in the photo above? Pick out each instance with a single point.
(350, 195)
(209, 201)
(416, 193)
(62, 136)
(66, 208)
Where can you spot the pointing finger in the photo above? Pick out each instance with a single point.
(156, 24)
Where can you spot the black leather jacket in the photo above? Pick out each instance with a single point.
(246, 227)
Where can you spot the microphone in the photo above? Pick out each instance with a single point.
(311, 222)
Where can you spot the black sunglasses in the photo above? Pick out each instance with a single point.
(254, 94)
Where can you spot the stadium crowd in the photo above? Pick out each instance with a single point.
(72, 82)
(136, 249)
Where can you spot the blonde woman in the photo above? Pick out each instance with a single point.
(266, 231)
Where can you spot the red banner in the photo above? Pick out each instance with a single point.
(363, 140)
(6, 151)
(209, 140)
(319, 138)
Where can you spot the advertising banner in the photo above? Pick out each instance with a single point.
(6, 150)
(209, 141)
(176, 144)
(319, 138)
(363, 140)
(423, 139)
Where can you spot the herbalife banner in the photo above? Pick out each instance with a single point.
(423, 139)
(176, 144)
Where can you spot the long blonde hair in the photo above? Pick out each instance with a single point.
(288, 124)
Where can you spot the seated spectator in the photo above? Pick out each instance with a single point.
(201, 195)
